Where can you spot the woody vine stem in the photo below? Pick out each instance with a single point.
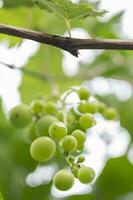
(72, 45)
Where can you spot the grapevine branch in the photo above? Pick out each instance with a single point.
(72, 45)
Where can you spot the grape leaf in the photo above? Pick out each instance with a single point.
(69, 10)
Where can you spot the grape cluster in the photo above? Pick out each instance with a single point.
(50, 125)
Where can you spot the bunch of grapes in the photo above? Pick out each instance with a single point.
(50, 125)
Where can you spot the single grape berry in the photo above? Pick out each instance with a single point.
(20, 116)
(87, 121)
(101, 107)
(80, 137)
(43, 124)
(80, 148)
(59, 115)
(31, 132)
(110, 114)
(58, 130)
(81, 159)
(37, 106)
(42, 149)
(63, 180)
(50, 108)
(80, 107)
(84, 93)
(71, 159)
(90, 107)
(69, 143)
(86, 175)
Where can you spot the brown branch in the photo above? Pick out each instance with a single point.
(72, 45)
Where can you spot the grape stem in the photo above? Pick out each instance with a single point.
(64, 104)
(68, 27)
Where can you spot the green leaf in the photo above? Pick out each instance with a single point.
(115, 181)
(16, 3)
(69, 10)
(1, 197)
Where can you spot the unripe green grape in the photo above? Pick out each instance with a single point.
(101, 107)
(87, 121)
(31, 132)
(90, 107)
(43, 124)
(69, 143)
(71, 159)
(86, 175)
(110, 114)
(80, 137)
(50, 108)
(20, 116)
(63, 180)
(84, 93)
(59, 115)
(80, 148)
(37, 106)
(42, 149)
(57, 130)
(81, 159)
(80, 107)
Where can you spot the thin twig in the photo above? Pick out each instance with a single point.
(46, 77)
(28, 72)
(72, 45)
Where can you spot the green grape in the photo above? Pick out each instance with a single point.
(110, 114)
(68, 143)
(87, 121)
(84, 93)
(20, 116)
(57, 130)
(80, 137)
(63, 180)
(31, 132)
(43, 124)
(50, 108)
(59, 115)
(86, 175)
(80, 148)
(71, 159)
(42, 149)
(80, 107)
(37, 106)
(101, 107)
(90, 107)
(81, 159)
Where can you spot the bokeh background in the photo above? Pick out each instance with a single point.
(108, 74)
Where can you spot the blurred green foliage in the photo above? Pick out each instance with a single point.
(116, 179)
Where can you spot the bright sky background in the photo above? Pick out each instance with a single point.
(10, 81)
